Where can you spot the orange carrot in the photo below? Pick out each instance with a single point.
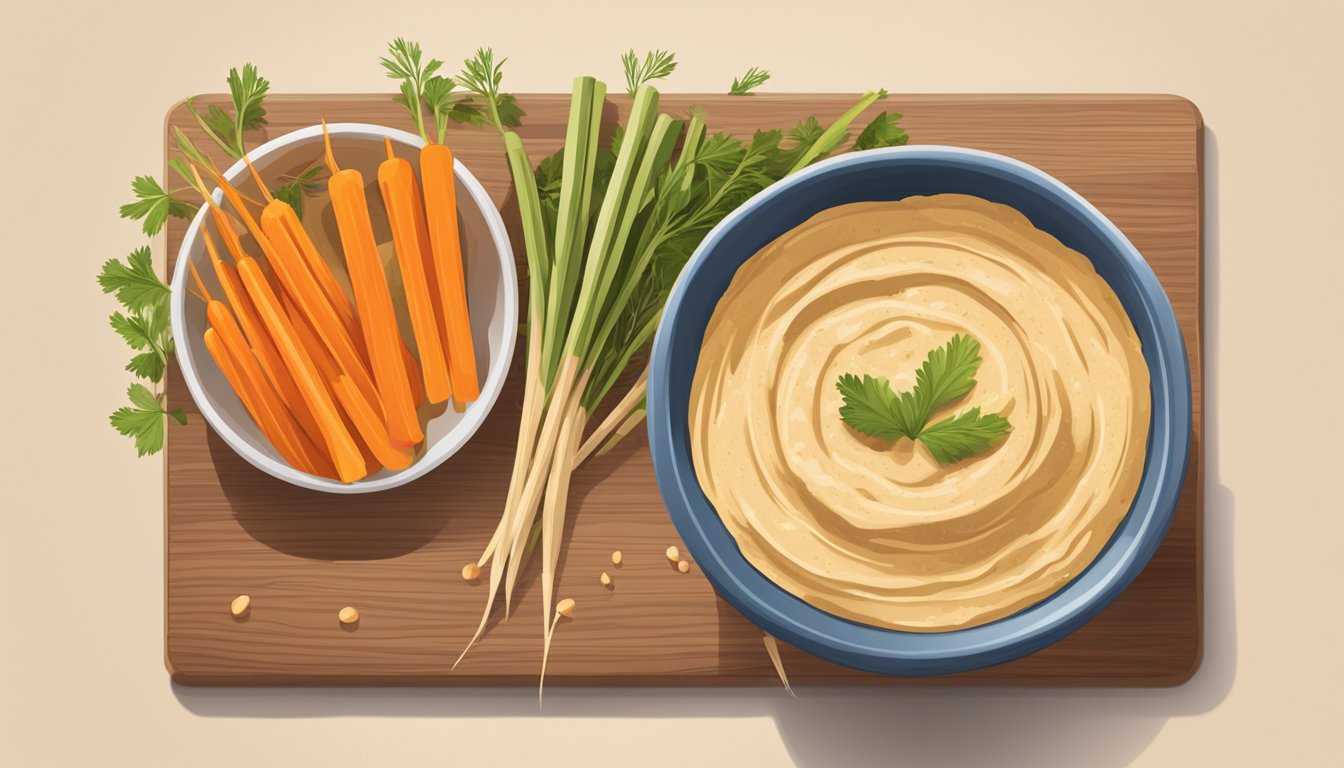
(341, 446)
(328, 371)
(321, 271)
(436, 174)
(262, 344)
(373, 301)
(250, 384)
(370, 428)
(406, 216)
(298, 282)
(296, 449)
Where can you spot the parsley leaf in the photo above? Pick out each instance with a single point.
(947, 375)
(143, 419)
(656, 66)
(134, 281)
(753, 79)
(963, 436)
(881, 132)
(154, 205)
(247, 91)
(873, 408)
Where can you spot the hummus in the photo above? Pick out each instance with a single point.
(878, 531)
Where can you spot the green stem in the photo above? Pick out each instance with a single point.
(191, 107)
(571, 228)
(834, 134)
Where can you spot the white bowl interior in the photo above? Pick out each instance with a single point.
(492, 295)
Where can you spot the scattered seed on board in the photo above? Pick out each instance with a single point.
(616, 557)
(605, 579)
(348, 615)
(684, 566)
(240, 605)
(673, 554)
(471, 571)
(565, 608)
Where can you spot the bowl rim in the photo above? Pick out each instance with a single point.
(888, 651)
(474, 416)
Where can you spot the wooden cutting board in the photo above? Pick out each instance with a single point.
(397, 555)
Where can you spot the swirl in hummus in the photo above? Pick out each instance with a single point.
(879, 532)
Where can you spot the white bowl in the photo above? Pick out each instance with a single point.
(492, 293)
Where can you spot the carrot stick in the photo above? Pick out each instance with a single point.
(370, 428)
(406, 215)
(262, 344)
(373, 301)
(436, 174)
(251, 385)
(299, 282)
(287, 221)
(328, 371)
(340, 445)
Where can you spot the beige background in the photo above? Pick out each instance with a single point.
(85, 91)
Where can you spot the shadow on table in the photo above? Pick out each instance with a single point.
(858, 726)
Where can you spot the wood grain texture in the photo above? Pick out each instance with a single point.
(396, 556)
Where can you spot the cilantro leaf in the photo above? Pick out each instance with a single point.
(154, 205)
(873, 408)
(881, 132)
(134, 282)
(753, 79)
(143, 419)
(656, 66)
(946, 375)
(963, 436)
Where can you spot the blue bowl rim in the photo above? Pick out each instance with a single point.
(887, 651)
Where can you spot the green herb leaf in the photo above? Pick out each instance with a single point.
(134, 282)
(133, 328)
(873, 408)
(154, 205)
(248, 91)
(881, 132)
(405, 64)
(753, 79)
(656, 66)
(961, 437)
(946, 375)
(482, 75)
(143, 420)
(294, 190)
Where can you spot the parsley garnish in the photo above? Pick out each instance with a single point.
(247, 91)
(154, 204)
(872, 407)
(143, 419)
(145, 328)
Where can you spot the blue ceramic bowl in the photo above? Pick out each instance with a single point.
(892, 174)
